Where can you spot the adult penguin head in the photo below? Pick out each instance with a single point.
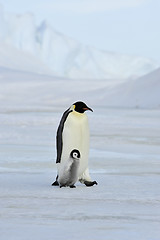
(81, 107)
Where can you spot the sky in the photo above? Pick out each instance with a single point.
(122, 26)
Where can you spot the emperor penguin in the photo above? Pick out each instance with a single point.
(68, 174)
(73, 133)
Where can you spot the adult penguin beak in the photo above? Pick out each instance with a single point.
(87, 108)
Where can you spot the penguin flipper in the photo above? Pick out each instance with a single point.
(59, 142)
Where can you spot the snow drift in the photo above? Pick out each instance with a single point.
(141, 92)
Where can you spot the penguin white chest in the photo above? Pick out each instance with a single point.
(76, 136)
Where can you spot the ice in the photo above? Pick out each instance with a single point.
(14, 59)
(124, 204)
(124, 160)
(54, 53)
(21, 32)
(2, 25)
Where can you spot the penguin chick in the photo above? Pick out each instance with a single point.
(68, 174)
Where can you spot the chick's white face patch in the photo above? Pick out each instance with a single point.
(75, 155)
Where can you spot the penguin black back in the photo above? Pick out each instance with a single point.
(59, 142)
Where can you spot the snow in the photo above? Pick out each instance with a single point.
(124, 160)
(61, 55)
(142, 92)
(2, 25)
(21, 29)
(14, 59)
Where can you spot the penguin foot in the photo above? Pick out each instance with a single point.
(90, 183)
(72, 186)
(55, 183)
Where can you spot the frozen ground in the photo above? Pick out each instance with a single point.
(124, 160)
